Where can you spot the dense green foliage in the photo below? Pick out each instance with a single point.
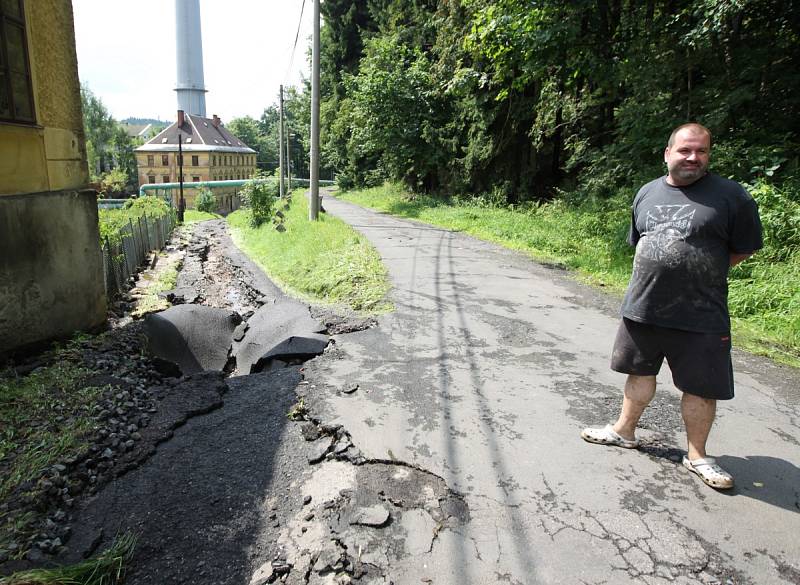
(589, 234)
(112, 221)
(206, 200)
(259, 196)
(262, 135)
(324, 261)
(519, 99)
(109, 149)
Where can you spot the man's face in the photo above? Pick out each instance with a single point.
(687, 158)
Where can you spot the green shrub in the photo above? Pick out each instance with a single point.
(779, 209)
(113, 182)
(149, 205)
(206, 200)
(112, 221)
(259, 196)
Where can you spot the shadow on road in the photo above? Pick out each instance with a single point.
(768, 479)
(198, 505)
(445, 273)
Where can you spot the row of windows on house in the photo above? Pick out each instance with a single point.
(222, 160)
(195, 179)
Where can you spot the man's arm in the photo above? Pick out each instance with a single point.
(736, 258)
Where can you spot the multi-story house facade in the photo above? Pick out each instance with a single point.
(210, 153)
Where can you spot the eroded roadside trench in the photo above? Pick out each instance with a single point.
(241, 492)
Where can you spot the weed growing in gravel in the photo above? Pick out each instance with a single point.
(106, 569)
(299, 411)
(150, 302)
(44, 418)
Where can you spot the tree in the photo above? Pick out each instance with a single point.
(108, 145)
(528, 98)
(250, 131)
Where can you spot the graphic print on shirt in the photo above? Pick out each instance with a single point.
(666, 225)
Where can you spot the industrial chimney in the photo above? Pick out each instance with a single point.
(189, 55)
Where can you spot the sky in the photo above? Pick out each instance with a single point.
(126, 54)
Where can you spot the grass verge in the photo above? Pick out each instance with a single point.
(323, 262)
(589, 236)
(194, 216)
(105, 569)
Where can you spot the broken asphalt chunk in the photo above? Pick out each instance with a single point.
(195, 337)
(300, 347)
(310, 431)
(319, 449)
(375, 516)
(271, 325)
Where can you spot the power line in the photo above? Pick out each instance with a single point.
(296, 37)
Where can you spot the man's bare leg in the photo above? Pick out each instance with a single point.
(698, 416)
(639, 391)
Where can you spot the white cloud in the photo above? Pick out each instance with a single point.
(126, 53)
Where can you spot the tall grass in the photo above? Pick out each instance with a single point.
(325, 261)
(108, 568)
(589, 235)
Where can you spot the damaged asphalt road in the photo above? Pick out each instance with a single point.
(485, 375)
(439, 444)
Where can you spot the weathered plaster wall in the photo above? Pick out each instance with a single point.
(51, 277)
(52, 154)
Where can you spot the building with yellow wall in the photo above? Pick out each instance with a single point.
(51, 278)
(210, 153)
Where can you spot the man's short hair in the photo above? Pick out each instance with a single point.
(695, 129)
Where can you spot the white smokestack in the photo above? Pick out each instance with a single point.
(189, 55)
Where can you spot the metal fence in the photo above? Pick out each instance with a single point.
(122, 259)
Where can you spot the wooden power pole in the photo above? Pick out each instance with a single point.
(281, 160)
(313, 206)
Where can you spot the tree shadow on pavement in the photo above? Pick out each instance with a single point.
(197, 506)
(768, 479)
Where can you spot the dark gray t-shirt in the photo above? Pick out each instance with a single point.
(684, 237)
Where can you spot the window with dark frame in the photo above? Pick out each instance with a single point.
(195, 160)
(151, 160)
(16, 93)
(165, 178)
(195, 179)
(151, 178)
(164, 160)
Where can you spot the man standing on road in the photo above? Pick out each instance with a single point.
(689, 228)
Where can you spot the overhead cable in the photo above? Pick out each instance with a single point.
(296, 37)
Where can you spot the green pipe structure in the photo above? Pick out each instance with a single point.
(194, 185)
(215, 184)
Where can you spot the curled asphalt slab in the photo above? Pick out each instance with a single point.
(485, 375)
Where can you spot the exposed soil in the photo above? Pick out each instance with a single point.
(206, 470)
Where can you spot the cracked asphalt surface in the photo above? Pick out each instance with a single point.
(440, 443)
(484, 376)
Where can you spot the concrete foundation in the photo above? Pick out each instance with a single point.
(51, 276)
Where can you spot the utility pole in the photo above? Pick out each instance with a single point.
(181, 202)
(313, 206)
(288, 159)
(281, 160)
